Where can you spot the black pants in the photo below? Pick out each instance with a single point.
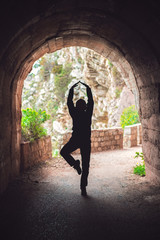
(85, 149)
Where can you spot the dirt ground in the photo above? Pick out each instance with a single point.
(45, 202)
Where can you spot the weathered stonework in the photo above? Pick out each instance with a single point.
(102, 139)
(35, 152)
(112, 138)
(132, 135)
(151, 147)
(139, 133)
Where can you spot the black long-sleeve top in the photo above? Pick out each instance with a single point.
(81, 119)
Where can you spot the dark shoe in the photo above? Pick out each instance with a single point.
(77, 167)
(83, 191)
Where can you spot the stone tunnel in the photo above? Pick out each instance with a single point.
(125, 32)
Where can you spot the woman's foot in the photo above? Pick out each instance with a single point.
(83, 191)
(77, 167)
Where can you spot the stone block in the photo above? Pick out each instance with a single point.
(108, 143)
(114, 132)
(149, 108)
(106, 133)
(113, 142)
(145, 134)
(102, 144)
(117, 137)
(92, 139)
(111, 137)
(99, 149)
(153, 137)
(154, 122)
(101, 134)
(110, 133)
(96, 144)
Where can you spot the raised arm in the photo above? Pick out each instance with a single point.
(90, 99)
(70, 99)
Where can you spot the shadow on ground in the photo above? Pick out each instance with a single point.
(45, 202)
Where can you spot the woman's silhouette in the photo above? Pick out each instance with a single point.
(81, 135)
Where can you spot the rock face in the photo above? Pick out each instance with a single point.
(110, 92)
(126, 99)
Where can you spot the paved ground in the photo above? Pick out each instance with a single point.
(45, 202)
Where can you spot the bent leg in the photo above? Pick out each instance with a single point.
(66, 151)
(85, 153)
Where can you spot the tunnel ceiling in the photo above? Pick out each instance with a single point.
(140, 16)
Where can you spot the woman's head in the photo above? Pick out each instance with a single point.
(81, 105)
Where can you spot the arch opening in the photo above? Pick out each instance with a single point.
(53, 45)
(111, 95)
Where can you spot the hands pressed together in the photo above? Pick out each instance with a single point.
(75, 85)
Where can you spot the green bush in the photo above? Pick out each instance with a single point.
(31, 124)
(129, 116)
(139, 169)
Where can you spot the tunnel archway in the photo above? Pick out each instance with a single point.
(95, 30)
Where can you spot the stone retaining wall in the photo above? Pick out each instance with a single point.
(132, 135)
(34, 152)
(103, 139)
(112, 138)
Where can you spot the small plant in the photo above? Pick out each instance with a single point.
(80, 60)
(55, 153)
(129, 116)
(139, 169)
(118, 92)
(110, 64)
(31, 124)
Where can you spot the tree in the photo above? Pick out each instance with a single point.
(129, 116)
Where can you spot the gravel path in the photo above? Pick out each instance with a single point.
(45, 202)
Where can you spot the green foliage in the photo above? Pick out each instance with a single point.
(32, 124)
(139, 169)
(115, 72)
(52, 108)
(62, 80)
(57, 69)
(80, 60)
(110, 64)
(55, 153)
(139, 155)
(36, 65)
(118, 92)
(129, 116)
(46, 64)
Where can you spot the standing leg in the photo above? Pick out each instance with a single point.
(66, 151)
(85, 153)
